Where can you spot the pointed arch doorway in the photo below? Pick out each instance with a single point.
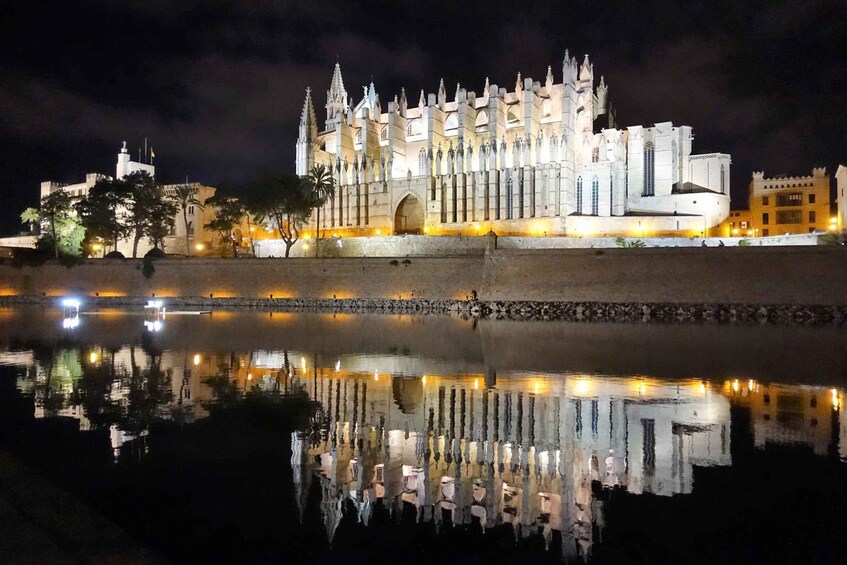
(409, 217)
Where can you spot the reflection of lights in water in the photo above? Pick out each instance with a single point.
(303, 363)
(249, 376)
(157, 304)
(476, 384)
(376, 375)
(70, 323)
(536, 387)
(153, 325)
(735, 385)
(835, 403)
(93, 357)
(338, 365)
(642, 389)
(197, 358)
(751, 385)
(703, 388)
(423, 380)
(73, 303)
(581, 386)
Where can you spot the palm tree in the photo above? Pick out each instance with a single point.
(185, 195)
(322, 186)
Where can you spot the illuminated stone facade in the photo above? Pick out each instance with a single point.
(788, 205)
(535, 159)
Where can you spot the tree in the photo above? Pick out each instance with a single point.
(186, 195)
(100, 211)
(286, 202)
(322, 186)
(229, 211)
(56, 215)
(149, 212)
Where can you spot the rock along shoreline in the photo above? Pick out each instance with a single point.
(508, 310)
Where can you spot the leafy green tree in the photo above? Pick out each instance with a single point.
(284, 201)
(61, 231)
(148, 212)
(184, 196)
(229, 211)
(322, 186)
(101, 211)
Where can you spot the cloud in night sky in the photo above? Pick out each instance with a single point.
(218, 90)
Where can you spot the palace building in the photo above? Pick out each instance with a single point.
(541, 158)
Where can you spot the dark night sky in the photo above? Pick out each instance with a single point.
(217, 87)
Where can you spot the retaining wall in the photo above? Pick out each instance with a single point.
(741, 275)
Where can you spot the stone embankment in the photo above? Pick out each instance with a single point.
(510, 310)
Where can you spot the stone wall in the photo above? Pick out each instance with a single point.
(739, 275)
(463, 245)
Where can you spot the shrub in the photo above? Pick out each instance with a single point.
(114, 255)
(629, 243)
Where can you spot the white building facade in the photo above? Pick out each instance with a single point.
(542, 158)
(196, 240)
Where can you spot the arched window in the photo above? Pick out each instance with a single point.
(422, 162)
(579, 195)
(359, 136)
(649, 170)
(723, 178)
(595, 196)
(414, 127)
(595, 155)
(383, 135)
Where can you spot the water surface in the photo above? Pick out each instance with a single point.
(324, 437)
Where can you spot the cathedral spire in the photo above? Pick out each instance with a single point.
(549, 81)
(404, 104)
(442, 94)
(336, 99)
(518, 86)
(422, 100)
(307, 116)
(486, 87)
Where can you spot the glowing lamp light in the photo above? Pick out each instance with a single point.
(93, 357)
(426, 229)
(249, 376)
(835, 400)
(199, 247)
(423, 380)
(581, 387)
(735, 385)
(642, 389)
(338, 365)
(376, 375)
(74, 303)
(378, 232)
(197, 359)
(96, 247)
(154, 304)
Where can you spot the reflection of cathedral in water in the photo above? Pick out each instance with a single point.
(523, 452)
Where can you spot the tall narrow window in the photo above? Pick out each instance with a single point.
(723, 179)
(579, 195)
(648, 448)
(422, 162)
(510, 187)
(595, 196)
(649, 172)
(595, 155)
